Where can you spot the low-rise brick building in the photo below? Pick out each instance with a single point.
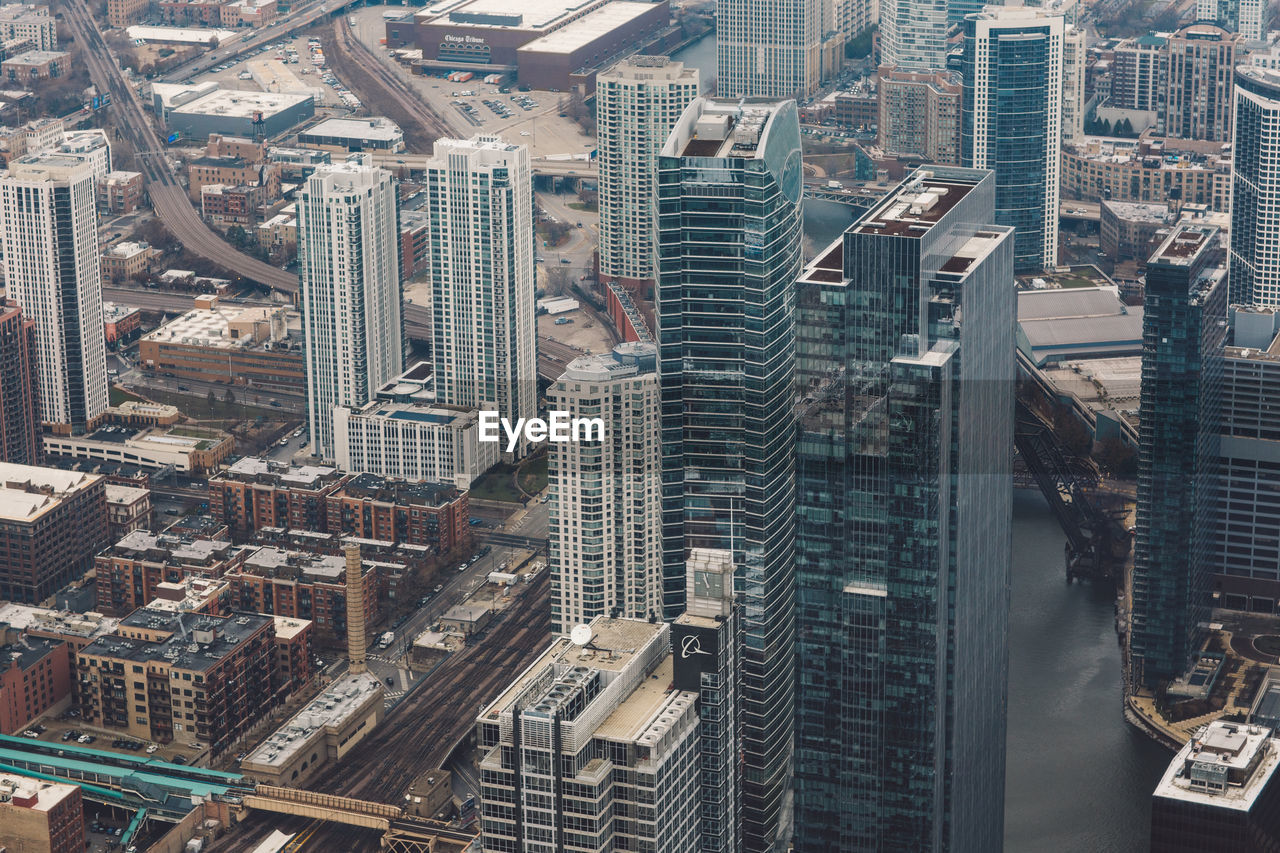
(39, 816)
(35, 677)
(130, 572)
(36, 65)
(373, 507)
(120, 192)
(256, 492)
(128, 509)
(299, 585)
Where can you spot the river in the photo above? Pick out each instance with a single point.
(1079, 779)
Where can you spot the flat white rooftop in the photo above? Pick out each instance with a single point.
(22, 487)
(335, 706)
(235, 104)
(180, 35)
(517, 14)
(584, 31)
(1223, 750)
(373, 128)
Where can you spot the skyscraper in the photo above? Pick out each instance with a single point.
(637, 103)
(705, 646)
(768, 48)
(905, 355)
(1183, 330)
(1255, 189)
(19, 401)
(1197, 99)
(605, 538)
(729, 227)
(913, 34)
(50, 237)
(1011, 121)
(480, 260)
(348, 244)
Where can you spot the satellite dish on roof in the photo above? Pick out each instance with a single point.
(580, 635)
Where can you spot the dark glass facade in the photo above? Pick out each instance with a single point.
(1183, 330)
(1008, 125)
(729, 232)
(903, 531)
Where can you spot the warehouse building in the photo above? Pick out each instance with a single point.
(256, 115)
(375, 133)
(548, 41)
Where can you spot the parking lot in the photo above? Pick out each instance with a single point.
(298, 59)
(537, 124)
(73, 731)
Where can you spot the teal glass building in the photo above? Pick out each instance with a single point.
(905, 362)
(729, 230)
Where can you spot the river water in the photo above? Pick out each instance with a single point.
(1079, 779)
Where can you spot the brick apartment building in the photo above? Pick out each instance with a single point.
(35, 676)
(131, 571)
(191, 679)
(300, 585)
(255, 493)
(429, 514)
(52, 522)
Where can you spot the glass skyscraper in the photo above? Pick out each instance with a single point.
(1255, 189)
(1011, 121)
(905, 360)
(1183, 329)
(729, 229)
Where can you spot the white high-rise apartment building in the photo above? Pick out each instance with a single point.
(480, 260)
(594, 748)
(913, 34)
(1073, 73)
(50, 237)
(1246, 17)
(349, 246)
(637, 103)
(1255, 189)
(769, 48)
(605, 540)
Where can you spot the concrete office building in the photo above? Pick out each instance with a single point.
(1220, 792)
(1255, 189)
(348, 224)
(52, 522)
(769, 48)
(1184, 328)
(586, 728)
(50, 246)
(605, 539)
(637, 103)
(19, 399)
(905, 355)
(480, 197)
(1011, 121)
(726, 367)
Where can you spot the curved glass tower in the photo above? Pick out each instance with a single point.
(729, 228)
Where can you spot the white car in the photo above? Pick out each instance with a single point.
(525, 133)
(152, 749)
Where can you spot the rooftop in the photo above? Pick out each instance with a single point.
(1183, 245)
(914, 207)
(192, 642)
(330, 710)
(377, 488)
(714, 129)
(515, 14)
(167, 548)
(1226, 767)
(25, 617)
(125, 494)
(35, 794)
(269, 471)
(241, 104)
(38, 57)
(230, 328)
(1078, 322)
(374, 127)
(27, 652)
(582, 32)
(28, 492)
(272, 562)
(623, 361)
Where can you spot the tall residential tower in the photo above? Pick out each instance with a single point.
(605, 537)
(905, 355)
(480, 261)
(769, 48)
(1011, 121)
(50, 236)
(1184, 326)
(348, 244)
(637, 103)
(729, 229)
(1255, 189)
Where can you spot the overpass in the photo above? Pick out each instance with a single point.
(542, 167)
(1080, 211)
